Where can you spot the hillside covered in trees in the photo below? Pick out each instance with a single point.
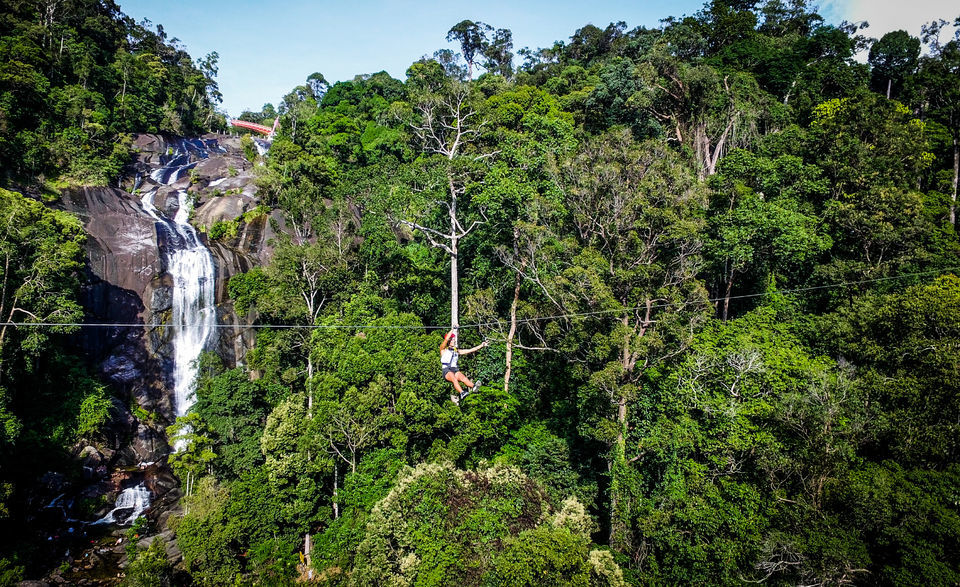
(77, 76)
(714, 264)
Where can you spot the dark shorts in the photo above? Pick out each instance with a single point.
(449, 370)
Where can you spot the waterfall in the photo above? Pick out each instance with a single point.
(135, 499)
(191, 266)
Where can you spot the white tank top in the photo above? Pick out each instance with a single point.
(448, 357)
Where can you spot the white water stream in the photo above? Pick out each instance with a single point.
(131, 502)
(191, 266)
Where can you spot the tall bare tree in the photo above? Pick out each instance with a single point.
(445, 125)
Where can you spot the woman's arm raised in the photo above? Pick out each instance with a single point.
(475, 349)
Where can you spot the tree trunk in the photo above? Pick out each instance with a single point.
(618, 456)
(726, 297)
(306, 552)
(786, 98)
(454, 277)
(956, 174)
(3, 298)
(3, 331)
(123, 95)
(714, 156)
(512, 333)
(701, 149)
(309, 383)
(336, 489)
(616, 466)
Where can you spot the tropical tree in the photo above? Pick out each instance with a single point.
(445, 126)
(938, 77)
(893, 58)
(635, 214)
(472, 38)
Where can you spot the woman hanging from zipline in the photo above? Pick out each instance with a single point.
(448, 360)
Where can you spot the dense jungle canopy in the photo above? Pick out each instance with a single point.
(715, 263)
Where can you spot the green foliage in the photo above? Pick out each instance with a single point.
(224, 230)
(377, 387)
(196, 458)
(336, 546)
(260, 211)
(617, 181)
(905, 346)
(68, 112)
(711, 443)
(607, 191)
(866, 143)
(547, 459)
(274, 562)
(285, 441)
(133, 537)
(10, 572)
(94, 412)
(893, 58)
(440, 525)
(47, 397)
(245, 288)
(233, 410)
(908, 519)
(205, 535)
(150, 568)
(552, 556)
(42, 250)
(249, 151)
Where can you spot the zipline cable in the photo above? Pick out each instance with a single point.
(618, 311)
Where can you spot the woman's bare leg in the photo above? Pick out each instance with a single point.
(455, 380)
(463, 379)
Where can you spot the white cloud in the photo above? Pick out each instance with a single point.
(892, 15)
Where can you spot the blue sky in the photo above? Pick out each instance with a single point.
(267, 49)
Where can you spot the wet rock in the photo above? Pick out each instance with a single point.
(161, 300)
(228, 171)
(145, 445)
(128, 285)
(222, 208)
(120, 368)
(148, 445)
(53, 482)
(163, 517)
(173, 553)
(91, 457)
(162, 482)
(121, 423)
(150, 146)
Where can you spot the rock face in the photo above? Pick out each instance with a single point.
(120, 231)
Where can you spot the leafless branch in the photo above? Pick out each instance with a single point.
(430, 233)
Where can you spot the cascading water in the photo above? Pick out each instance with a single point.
(131, 502)
(191, 266)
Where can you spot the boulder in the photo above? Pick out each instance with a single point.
(120, 368)
(222, 208)
(149, 445)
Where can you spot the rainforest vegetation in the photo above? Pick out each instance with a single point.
(714, 263)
